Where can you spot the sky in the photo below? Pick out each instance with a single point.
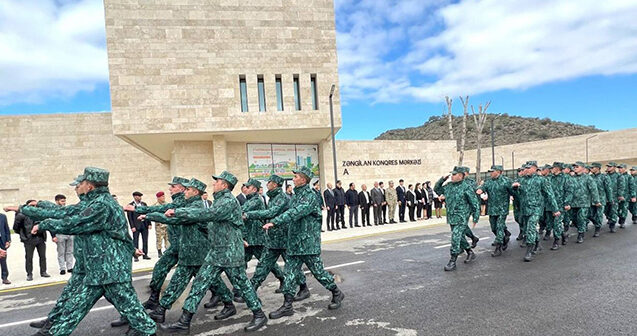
(572, 61)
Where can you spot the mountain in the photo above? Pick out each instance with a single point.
(508, 130)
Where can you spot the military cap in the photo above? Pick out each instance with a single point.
(159, 194)
(228, 177)
(276, 179)
(633, 168)
(531, 163)
(520, 169)
(305, 171)
(579, 164)
(194, 183)
(496, 167)
(252, 182)
(558, 164)
(596, 165)
(568, 165)
(178, 180)
(96, 175)
(465, 169)
(137, 193)
(527, 166)
(547, 166)
(77, 180)
(457, 170)
(622, 165)
(611, 164)
(588, 166)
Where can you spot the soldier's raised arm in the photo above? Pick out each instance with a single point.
(93, 218)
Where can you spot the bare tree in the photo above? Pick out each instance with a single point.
(463, 135)
(449, 101)
(480, 119)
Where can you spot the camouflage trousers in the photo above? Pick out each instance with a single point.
(458, 241)
(610, 211)
(121, 295)
(259, 252)
(566, 219)
(546, 222)
(580, 218)
(178, 284)
(209, 276)
(167, 261)
(633, 209)
(391, 210)
(622, 209)
(530, 228)
(597, 216)
(517, 216)
(498, 227)
(554, 223)
(266, 264)
(74, 283)
(293, 270)
(162, 235)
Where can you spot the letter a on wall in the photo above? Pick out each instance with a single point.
(345, 172)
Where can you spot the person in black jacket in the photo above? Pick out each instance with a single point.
(5, 243)
(351, 199)
(402, 202)
(339, 194)
(411, 202)
(420, 200)
(316, 187)
(330, 205)
(429, 193)
(23, 226)
(139, 227)
(364, 202)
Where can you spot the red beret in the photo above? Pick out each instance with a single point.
(159, 194)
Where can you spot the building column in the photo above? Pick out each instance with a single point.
(193, 159)
(220, 153)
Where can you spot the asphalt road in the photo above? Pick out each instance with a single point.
(395, 285)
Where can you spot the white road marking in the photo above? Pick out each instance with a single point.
(441, 246)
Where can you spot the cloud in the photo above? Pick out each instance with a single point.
(50, 49)
(479, 46)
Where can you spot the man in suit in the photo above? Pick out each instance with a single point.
(139, 227)
(339, 193)
(330, 205)
(377, 203)
(384, 205)
(351, 200)
(5, 242)
(410, 196)
(242, 196)
(364, 202)
(265, 201)
(23, 225)
(402, 200)
(206, 202)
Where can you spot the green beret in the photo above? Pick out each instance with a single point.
(611, 164)
(305, 171)
(178, 180)
(252, 182)
(496, 167)
(228, 177)
(276, 179)
(596, 165)
(194, 183)
(96, 175)
(77, 180)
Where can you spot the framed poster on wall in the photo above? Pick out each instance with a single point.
(281, 159)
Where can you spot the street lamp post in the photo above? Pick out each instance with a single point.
(513, 160)
(332, 125)
(492, 143)
(590, 137)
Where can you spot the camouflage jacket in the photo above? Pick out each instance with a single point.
(623, 181)
(461, 201)
(632, 186)
(193, 238)
(584, 192)
(499, 191)
(178, 201)
(533, 189)
(224, 229)
(108, 248)
(547, 204)
(278, 235)
(558, 183)
(304, 219)
(390, 196)
(252, 230)
(516, 196)
(614, 180)
(604, 187)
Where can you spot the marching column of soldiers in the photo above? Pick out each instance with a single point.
(204, 243)
(546, 200)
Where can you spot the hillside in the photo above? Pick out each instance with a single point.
(508, 130)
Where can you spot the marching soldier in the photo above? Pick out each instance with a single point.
(579, 202)
(605, 191)
(569, 185)
(498, 192)
(517, 210)
(304, 243)
(623, 196)
(546, 219)
(633, 194)
(610, 209)
(558, 183)
(474, 186)
(461, 204)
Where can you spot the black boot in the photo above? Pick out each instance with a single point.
(547, 236)
(474, 241)
(612, 227)
(596, 234)
(622, 221)
(451, 265)
(507, 238)
(214, 302)
(556, 244)
(635, 219)
(564, 238)
(122, 321)
(153, 301)
(237, 297)
(227, 311)
(258, 321)
(498, 250)
(519, 237)
(182, 326)
(285, 310)
(580, 238)
(537, 247)
(470, 256)
(302, 294)
(39, 324)
(159, 253)
(158, 315)
(135, 332)
(529, 253)
(280, 289)
(337, 298)
(523, 243)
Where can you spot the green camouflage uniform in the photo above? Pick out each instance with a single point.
(461, 203)
(558, 184)
(499, 191)
(584, 195)
(107, 259)
(225, 256)
(276, 237)
(517, 207)
(474, 186)
(546, 220)
(569, 188)
(533, 190)
(170, 257)
(303, 219)
(623, 182)
(610, 209)
(605, 191)
(254, 234)
(633, 193)
(193, 248)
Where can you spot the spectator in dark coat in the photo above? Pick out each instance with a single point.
(420, 200)
(351, 199)
(330, 205)
(139, 227)
(364, 202)
(316, 187)
(339, 194)
(411, 202)
(5, 243)
(23, 226)
(402, 201)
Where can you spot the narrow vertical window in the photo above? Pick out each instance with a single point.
(243, 91)
(297, 93)
(314, 92)
(279, 93)
(261, 89)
